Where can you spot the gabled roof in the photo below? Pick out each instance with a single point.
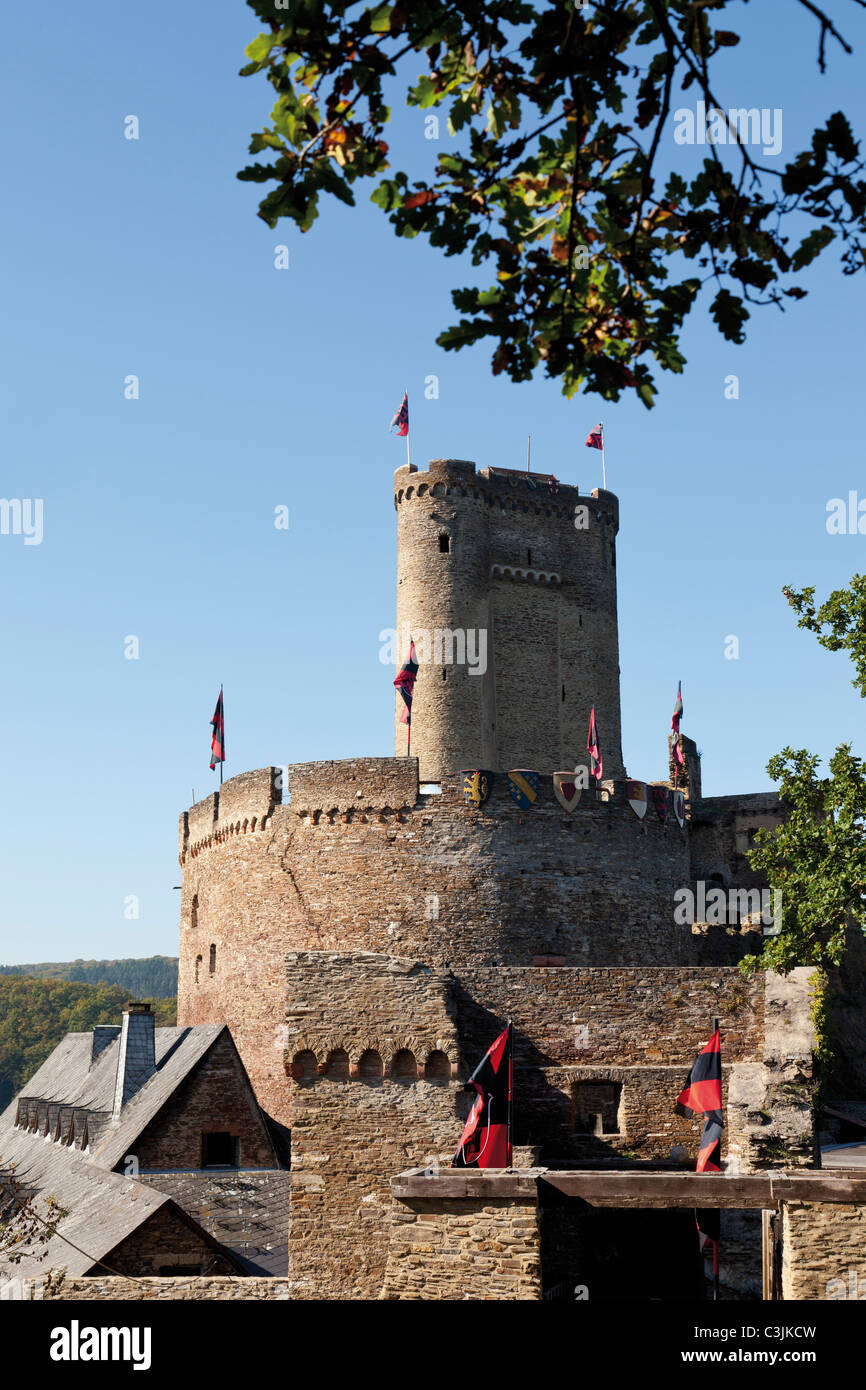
(67, 1078)
(104, 1207)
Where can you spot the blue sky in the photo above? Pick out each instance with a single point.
(260, 388)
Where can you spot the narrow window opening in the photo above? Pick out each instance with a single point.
(563, 694)
(197, 967)
(212, 965)
(529, 557)
(444, 674)
(193, 914)
(444, 542)
(596, 1106)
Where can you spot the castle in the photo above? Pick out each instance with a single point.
(366, 936)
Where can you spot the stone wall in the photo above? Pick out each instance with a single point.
(478, 1250)
(163, 1240)
(216, 1096)
(540, 580)
(351, 865)
(373, 1054)
(365, 1029)
(195, 1290)
(823, 1251)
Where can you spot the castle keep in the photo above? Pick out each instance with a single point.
(366, 937)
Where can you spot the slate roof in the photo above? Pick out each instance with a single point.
(104, 1207)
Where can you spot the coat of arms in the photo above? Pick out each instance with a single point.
(566, 789)
(660, 801)
(476, 785)
(636, 793)
(680, 808)
(523, 787)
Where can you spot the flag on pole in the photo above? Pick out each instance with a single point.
(596, 763)
(401, 417)
(675, 725)
(703, 1096)
(595, 438)
(405, 683)
(486, 1138)
(218, 739)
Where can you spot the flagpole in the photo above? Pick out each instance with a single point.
(603, 468)
(511, 1097)
(528, 450)
(408, 432)
(223, 732)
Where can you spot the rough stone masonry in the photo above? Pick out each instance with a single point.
(367, 936)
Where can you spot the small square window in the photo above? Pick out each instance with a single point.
(444, 542)
(219, 1150)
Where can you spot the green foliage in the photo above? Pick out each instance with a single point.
(151, 975)
(560, 179)
(840, 622)
(816, 858)
(824, 1048)
(36, 1014)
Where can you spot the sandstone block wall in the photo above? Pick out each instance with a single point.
(486, 1249)
(217, 1287)
(823, 1251)
(423, 876)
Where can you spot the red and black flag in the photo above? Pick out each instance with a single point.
(405, 683)
(401, 416)
(596, 762)
(703, 1089)
(486, 1139)
(703, 1096)
(595, 438)
(218, 740)
(675, 725)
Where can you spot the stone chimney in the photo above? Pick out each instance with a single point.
(103, 1034)
(136, 1063)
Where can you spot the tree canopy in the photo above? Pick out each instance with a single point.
(817, 856)
(561, 175)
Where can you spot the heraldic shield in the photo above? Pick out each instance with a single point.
(476, 784)
(566, 790)
(680, 808)
(636, 793)
(523, 787)
(660, 801)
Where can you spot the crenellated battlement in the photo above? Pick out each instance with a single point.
(507, 489)
(359, 790)
(244, 803)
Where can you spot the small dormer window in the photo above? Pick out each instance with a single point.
(444, 542)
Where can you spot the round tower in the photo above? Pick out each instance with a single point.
(506, 582)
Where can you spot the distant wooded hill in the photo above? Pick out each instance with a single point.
(36, 1013)
(151, 977)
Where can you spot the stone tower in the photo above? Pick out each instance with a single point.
(366, 937)
(507, 583)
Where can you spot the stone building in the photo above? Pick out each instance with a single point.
(366, 936)
(152, 1142)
